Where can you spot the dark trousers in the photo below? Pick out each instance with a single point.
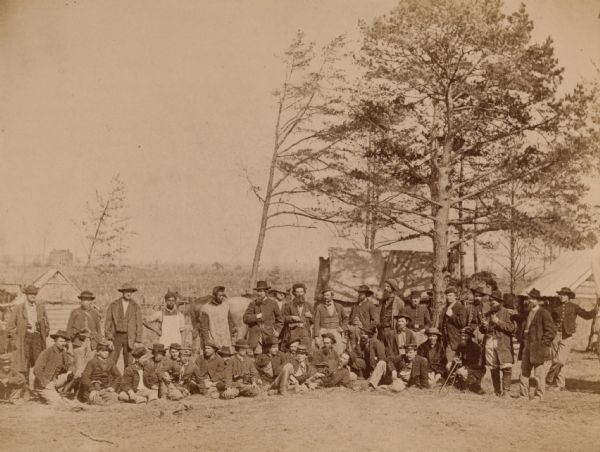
(34, 344)
(120, 341)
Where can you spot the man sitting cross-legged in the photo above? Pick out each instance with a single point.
(100, 378)
(433, 351)
(13, 384)
(140, 383)
(210, 370)
(241, 376)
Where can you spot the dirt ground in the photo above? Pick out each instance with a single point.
(326, 420)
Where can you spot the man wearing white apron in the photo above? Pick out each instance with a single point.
(171, 322)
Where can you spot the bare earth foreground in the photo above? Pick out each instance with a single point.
(326, 420)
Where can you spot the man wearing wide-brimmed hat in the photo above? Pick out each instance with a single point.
(273, 367)
(52, 371)
(168, 323)
(28, 329)
(298, 317)
(262, 316)
(13, 384)
(363, 314)
(535, 352)
(100, 379)
(278, 294)
(84, 329)
(404, 335)
(565, 317)
(433, 351)
(123, 326)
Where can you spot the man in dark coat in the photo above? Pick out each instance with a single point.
(241, 375)
(433, 351)
(274, 367)
(410, 370)
(421, 320)
(363, 314)
(28, 329)
(390, 305)
(470, 369)
(327, 352)
(297, 318)
(371, 360)
(538, 333)
(454, 318)
(139, 383)
(498, 329)
(565, 319)
(262, 317)
(211, 369)
(12, 383)
(123, 325)
(84, 328)
(403, 335)
(340, 376)
(52, 372)
(100, 379)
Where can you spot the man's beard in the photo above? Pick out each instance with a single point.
(299, 299)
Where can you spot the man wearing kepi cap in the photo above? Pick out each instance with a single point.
(28, 328)
(565, 318)
(139, 385)
(123, 325)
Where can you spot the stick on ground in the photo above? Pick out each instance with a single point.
(100, 440)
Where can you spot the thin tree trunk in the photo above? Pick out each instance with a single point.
(475, 263)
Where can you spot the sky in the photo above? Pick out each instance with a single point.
(176, 97)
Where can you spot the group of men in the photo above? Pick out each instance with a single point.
(389, 342)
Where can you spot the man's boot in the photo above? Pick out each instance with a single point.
(496, 381)
(284, 377)
(506, 381)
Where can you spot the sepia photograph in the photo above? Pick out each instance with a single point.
(317, 225)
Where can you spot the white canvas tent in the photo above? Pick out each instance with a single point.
(579, 271)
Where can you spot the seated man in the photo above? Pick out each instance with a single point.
(100, 378)
(433, 351)
(187, 381)
(140, 382)
(304, 376)
(403, 335)
(13, 384)
(292, 347)
(161, 367)
(370, 359)
(52, 372)
(342, 376)
(241, 376)
(168, 372)
(327, 352)
(211, 370)
(470, 370)
(410, 370)
(273, 367)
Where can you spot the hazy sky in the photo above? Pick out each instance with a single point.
(176, 97)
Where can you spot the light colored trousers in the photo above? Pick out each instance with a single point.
(561, 349)
(539, 375)
(51, 396)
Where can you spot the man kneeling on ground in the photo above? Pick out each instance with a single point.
(140, 383)
(470, 371)
(241, 376)
(100, 378)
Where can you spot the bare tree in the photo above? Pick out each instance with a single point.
(299, 133)
(106, 228)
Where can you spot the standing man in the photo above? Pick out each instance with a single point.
(536, 342)
(565, 319)
(262, 317)
(454, 318)
(84, 329)
(52, 371)
(28, 328)
(123, 326)
(169, 323)
(420, 316)
(330, 318)
(363, 314)
(498, 329)
(391, 305)
(297, 318)
(216, 322)
(279, 295)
